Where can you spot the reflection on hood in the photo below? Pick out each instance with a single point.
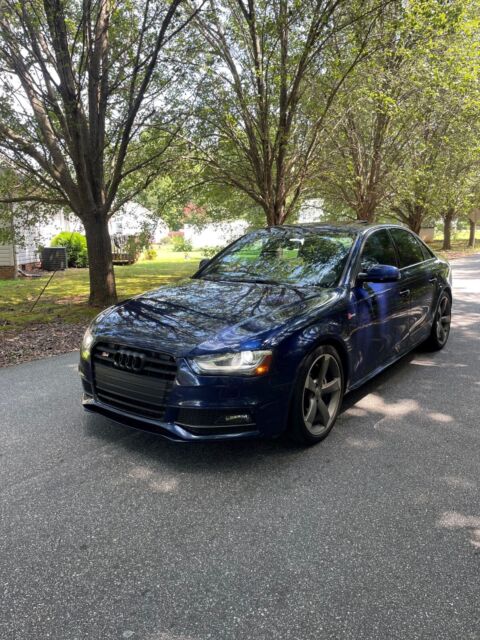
(209, 315)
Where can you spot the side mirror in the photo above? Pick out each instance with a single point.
(203, 263)
(380, 273)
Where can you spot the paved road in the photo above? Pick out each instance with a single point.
(374, 534)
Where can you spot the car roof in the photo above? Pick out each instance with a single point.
(356, 227)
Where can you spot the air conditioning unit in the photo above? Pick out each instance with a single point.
(54, 259)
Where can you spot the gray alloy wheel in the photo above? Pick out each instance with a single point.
(441, 324)
(317, 396)
(322, 394)
(443, 319)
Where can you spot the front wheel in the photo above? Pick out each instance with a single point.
(441, 324)
(317, 397)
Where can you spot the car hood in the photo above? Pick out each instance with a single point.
(199, 315)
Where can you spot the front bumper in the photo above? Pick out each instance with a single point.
(206, 408)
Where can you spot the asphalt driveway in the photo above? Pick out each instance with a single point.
(107, 533)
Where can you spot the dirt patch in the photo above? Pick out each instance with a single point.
(39, 341)
(456, 255)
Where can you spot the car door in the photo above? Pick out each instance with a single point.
(419, 279)
(381, 309)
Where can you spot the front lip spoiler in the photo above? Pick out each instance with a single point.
(168, 430)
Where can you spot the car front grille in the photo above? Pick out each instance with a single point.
(142, 391)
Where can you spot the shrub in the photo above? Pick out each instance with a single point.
(76, 246)
(180, 244)
(209, 252)
(150, 254)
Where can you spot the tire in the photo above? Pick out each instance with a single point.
(441, 324)
(314, 409)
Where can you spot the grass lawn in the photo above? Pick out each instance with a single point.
(66, 296)
(459, 245)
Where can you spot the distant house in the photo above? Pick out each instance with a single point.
(132, 219)
(311, 211)
(13, 257)
(61, 221)
(215, 234)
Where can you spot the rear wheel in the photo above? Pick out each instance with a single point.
(318, 395)
(441, 324)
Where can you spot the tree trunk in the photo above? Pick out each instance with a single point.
(473, 231)
(103, 290)
(366, 212)
(415, 224)
(275, 213)
(415, 217)
(280, 213)
(447, 230)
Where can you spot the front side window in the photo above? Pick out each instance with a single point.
(291, 255)
(378, 249)
(408, 247)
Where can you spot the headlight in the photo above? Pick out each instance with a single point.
(88, 336)
(86, 344)
(250, 363)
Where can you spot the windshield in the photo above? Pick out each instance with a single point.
(289, 255)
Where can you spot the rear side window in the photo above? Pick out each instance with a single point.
(409, 248)
(378, 249)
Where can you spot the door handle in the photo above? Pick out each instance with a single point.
(433, 279)
(405, 292)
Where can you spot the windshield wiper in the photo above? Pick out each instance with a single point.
(227, 277)
(267, 281)
(247, 279)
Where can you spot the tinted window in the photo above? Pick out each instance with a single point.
(378, 249)
(291, 255)
(409, 248)
(427, 252)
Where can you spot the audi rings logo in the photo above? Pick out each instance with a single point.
(129, 361)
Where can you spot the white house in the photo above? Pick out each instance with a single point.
(61, 221)
(311, 211)
(13, 257)
(132, 219)
(215, 234)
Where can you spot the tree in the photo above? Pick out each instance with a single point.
(260, 121)
(378, 107)
(458, 169)
(436, 181)
(416, 182)
(81, 82)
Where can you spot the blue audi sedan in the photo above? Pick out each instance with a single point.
(268, 335)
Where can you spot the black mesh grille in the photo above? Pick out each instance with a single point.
(142, 392)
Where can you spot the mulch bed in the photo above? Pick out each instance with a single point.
(39, 341)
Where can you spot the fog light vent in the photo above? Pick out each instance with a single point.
(215, 418)
(235, 418)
